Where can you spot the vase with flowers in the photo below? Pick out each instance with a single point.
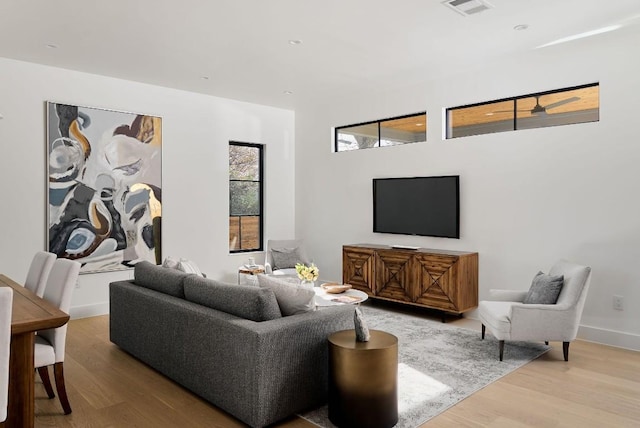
(308, 274)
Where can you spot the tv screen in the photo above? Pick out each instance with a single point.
(425, 206)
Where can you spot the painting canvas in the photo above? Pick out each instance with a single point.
(104, 186)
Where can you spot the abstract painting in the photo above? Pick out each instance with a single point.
(104, 186)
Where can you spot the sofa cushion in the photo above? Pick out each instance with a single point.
(158, 278)
(286, 258)
(544, 289)
(245, 301)
(291, 298)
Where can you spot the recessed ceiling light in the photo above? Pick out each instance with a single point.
(419, 124)
(52, 46)
(521, 27)
(205, 77)
(287, 92)
(489, 114)
(295, 42)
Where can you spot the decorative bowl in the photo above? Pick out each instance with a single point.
(335, 288)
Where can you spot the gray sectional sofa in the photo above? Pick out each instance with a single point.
(227, 343)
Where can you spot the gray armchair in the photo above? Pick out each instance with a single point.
(290, 249)
(507, 318)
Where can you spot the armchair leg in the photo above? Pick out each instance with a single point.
(483, 330)
(565, 350)
(501, 345)
(46, 381)
(58, 371)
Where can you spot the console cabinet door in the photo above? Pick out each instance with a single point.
(438, 282)
(396, 274)
(357, 268)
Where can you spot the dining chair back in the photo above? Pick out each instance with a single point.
(50, 344)
(39, 272)
(6, 302)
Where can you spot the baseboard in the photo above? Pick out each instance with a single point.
(604, 336)
(87, 311)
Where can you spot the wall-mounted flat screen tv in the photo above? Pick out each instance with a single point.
(425, 206)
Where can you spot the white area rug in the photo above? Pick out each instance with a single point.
(439, 364)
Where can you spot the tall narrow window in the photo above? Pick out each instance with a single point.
(245, 197)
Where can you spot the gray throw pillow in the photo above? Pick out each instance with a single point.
(544, 289)
(285, 258)
(292, 299)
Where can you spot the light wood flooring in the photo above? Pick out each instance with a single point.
(598, 387)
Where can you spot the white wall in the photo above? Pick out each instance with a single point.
(528, 197)
(196, 131)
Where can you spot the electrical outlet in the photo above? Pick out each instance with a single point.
(618, 303)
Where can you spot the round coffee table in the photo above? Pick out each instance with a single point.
(349, 297)
(363, 380)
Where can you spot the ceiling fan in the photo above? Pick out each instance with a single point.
(539, 109)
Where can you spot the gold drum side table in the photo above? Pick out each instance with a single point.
(363, 380)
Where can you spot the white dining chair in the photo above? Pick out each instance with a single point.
(6, 302)
(50, 344)
(39, 272)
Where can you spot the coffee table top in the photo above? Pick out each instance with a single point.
(349, 297)
(322, 298)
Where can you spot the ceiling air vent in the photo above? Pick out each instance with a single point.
(468, 7)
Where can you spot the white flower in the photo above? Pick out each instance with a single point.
(307, 273)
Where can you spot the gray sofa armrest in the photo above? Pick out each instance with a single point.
(288, 365)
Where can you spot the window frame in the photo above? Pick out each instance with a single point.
(514, 99)
(378, 122)
(261, 175)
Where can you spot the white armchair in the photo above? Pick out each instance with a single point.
(294, 247)
(507, 318)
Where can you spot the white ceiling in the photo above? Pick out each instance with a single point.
(242, 46)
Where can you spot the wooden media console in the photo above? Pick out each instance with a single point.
(437, 279)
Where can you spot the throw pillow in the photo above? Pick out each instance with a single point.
(544, 289)
(170, 262)
(285, 258)
(292, 299)
(187, 266)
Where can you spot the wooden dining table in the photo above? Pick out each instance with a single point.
(30, 313)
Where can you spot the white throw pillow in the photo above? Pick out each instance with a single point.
(170, 262)
(187, 266)
(292, 298)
